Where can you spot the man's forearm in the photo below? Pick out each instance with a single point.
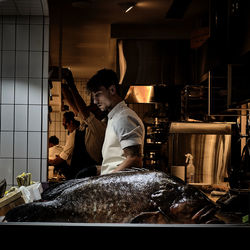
(80, 103)
(129, 162)
(133, 158)
(57, 161)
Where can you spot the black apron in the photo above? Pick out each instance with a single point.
(82, 165)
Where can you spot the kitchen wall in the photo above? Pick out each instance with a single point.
(24, 49)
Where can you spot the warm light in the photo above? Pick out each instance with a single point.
(143, 93)
(140, 94)
(127, 6)
(130, 8)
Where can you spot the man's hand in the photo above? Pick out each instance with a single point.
(67, 75)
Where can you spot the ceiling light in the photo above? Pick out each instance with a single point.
(127, 6)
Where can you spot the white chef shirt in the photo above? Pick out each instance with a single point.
(68, 148)
(124, 129)
(54, 151)
(94, 137)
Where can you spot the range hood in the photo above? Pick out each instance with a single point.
(153, 62)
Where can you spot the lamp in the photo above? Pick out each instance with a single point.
(147, 94)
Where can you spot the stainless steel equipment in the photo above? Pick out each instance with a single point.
(210, 145)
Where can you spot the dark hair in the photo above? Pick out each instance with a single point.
(54, 140)
(70, 116)
(103, 77)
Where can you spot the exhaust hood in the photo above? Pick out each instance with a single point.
(153, 62)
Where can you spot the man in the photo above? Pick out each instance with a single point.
(124, 137)
(82, 150)
(74, 156)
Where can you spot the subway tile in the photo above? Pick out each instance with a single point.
(36, 19)
(52, 127)
(46, 20)
(1, 28)
(8, 90)
(22, 64)
(35, 64)
(36, 37)
(45, 118)
(9, 19)
(53, 116)
(8, 37)
(22, 37)
(35, 91)
(58, 126)
(44, 170)
(6, 170)
(61, 139)
(23, 19)
(20, 146)
(44, 145)
(34, 123)
(21, 91)
(58, 117)
(21, 117)
(34, 145)
(7, 117)
(62, 127)
(34, 167)
(8, 63)
(45, 91)
(20, 166)
(46, 38)
(6, 144)
(51, 133)
(45, 64)
(58, 135)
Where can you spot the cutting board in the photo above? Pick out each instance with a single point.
(10, 201)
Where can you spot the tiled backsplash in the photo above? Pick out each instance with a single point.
(24, 49)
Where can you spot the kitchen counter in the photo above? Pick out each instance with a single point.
(125, 235)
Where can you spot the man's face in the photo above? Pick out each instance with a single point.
(102, 98)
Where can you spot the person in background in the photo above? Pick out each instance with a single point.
(82, 150)
(54, 148)
(125, 132)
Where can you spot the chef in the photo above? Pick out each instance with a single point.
(54, 147)
(124, 137)
(82, 150)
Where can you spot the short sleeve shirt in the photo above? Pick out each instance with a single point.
(124, 129)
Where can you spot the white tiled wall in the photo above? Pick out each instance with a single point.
(24, 45)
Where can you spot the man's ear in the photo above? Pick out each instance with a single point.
(112, 89)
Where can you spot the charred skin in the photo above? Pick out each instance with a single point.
(137, 197)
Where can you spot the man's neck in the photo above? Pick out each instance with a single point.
(115, 101)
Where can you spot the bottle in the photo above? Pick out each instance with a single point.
(190, 168)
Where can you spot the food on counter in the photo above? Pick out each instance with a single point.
(53, 191)
(125, 197)
(24, 179)
(2, 187)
